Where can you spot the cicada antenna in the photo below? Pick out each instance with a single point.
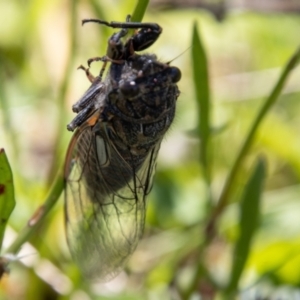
(179, 54)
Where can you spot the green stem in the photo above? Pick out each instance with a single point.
(139, 10)
(39, 215)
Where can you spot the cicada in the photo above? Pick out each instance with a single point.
(120, 123)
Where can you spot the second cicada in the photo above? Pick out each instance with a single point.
(120, 123)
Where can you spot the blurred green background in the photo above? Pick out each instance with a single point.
(41, 45)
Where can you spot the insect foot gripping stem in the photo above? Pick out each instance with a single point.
(120, 123)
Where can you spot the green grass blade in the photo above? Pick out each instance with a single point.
(7, 197)
(201, 83)
(249, 219)
(224, 198)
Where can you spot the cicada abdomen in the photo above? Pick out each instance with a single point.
(111, 159)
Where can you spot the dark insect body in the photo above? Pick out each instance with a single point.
(111, 159)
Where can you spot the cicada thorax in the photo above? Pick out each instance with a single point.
(142, 107)
(132, 123)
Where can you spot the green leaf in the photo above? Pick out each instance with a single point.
(249, 219)
(7, 198)
(201, 83)
(139, 10)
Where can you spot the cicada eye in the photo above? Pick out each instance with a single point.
(175, 74)
(130, 89)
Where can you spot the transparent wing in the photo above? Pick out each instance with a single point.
(104, 203)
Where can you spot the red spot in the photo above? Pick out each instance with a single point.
(2, 189)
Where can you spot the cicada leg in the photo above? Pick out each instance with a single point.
(105, 60)
(147, 34)
(88, 74)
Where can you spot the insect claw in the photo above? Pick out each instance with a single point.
(128, 18)
(96, 21)
(81, 67)
(90, 77)
(87, 21)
